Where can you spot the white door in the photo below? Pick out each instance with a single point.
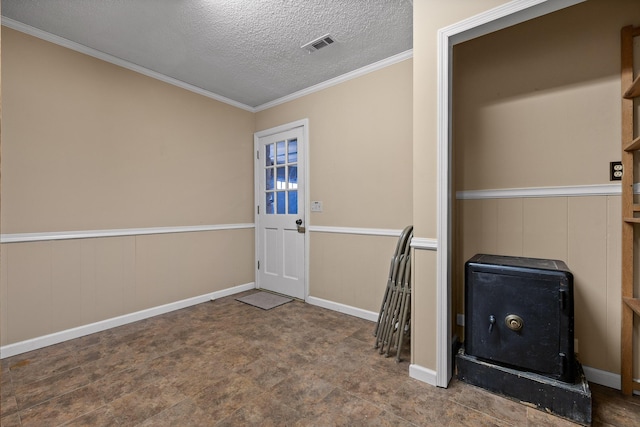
(280, 219)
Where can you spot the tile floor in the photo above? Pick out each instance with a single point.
(225, 363)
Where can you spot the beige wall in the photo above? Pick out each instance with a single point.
(164, 157)
(360, 168)
(539, 105)
(359, 148)
(428, 17)
(367, 136)
(350, 270)
(87, 145)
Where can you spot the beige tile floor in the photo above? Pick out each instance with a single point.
(225, 363)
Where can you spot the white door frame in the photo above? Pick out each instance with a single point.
(504, 16)
(304, 124)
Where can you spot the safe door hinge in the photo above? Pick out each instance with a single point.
(563, 299)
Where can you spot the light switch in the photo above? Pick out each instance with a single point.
(316, 206)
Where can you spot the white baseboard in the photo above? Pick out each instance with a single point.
(427, 375)
(342, 308)
(80, 331)
(417, 372)
(597, 376)
(423, 374)
(605, 378)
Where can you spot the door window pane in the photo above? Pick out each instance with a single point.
(281, 178)
(293, 177)
(269, 179)
(293, 151)
(269, 154)
(281, 204)
(281, 156)
(293, 202)
(269, 203)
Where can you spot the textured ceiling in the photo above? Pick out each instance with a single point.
(245, 50)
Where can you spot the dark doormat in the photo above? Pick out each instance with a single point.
(264, 300)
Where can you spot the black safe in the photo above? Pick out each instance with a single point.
(519, 314)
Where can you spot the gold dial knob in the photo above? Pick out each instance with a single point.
(514, 322)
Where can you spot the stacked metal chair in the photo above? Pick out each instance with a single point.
(394, 320)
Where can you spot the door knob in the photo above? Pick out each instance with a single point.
(298, 222)
(299, 225)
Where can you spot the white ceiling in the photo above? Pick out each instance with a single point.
(248, 51)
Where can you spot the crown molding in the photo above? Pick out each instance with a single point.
(61, 41)
(408, 54)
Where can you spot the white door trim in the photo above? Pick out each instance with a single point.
(504, 16)
(304, 124)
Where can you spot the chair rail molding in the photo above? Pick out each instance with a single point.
(92, 234)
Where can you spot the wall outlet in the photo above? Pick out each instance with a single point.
(316, 206)
(615, 171)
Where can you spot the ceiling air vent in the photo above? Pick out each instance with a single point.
(318, 43)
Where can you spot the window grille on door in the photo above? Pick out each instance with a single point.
(281, 177)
